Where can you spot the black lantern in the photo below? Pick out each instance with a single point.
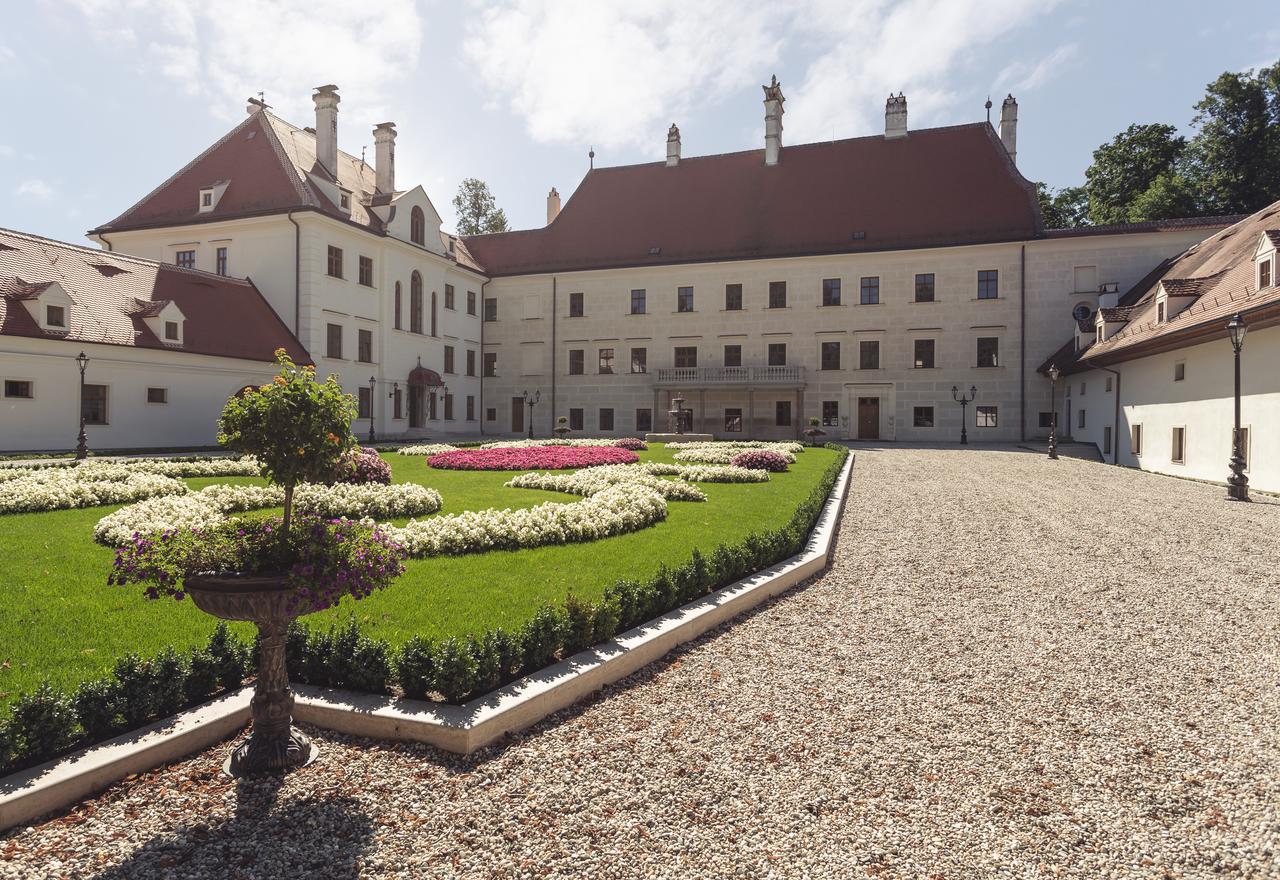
(1054, 373)
(531, 401)
(82, 443)
(964, 404)
(1237, 483)
(373, 382)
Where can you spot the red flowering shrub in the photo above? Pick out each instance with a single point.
(531, 458)
(364, 465)
(760, 460)
(635, 444)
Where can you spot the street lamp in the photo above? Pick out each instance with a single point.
(1054, 373)
(964, 405)
(373, 381)
(82, 444)
(531, 402)
(1237, 483)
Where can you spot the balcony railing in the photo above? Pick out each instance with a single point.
(694, 377)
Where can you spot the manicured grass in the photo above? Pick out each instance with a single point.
(60, 620)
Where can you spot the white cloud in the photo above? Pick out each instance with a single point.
(33, 188)
(7, 152)
(1021, 76)
(223, 51)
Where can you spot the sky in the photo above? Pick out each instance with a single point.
(105, 99)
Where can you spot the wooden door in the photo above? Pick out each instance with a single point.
(415, 407)
(868, 418)
(517, 415)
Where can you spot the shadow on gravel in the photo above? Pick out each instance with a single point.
(308, 837)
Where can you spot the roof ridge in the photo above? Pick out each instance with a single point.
(311, 132)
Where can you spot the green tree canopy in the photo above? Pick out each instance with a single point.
(1124, 168)
(1235, 155)
(477, 211)
(1063, 208)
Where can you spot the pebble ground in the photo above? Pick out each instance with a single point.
(1015, 668)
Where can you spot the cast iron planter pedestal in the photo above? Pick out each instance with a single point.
(274, 745)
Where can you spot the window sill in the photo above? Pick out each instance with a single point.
(777, 308)
(833, 305)
(686, 312)
(924, 302)
(988, 298)
(636, 315)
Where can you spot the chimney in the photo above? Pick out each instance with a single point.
(673, 146)
(384, 156)
(1009, 127)
(256, 105)
(773, 111)
(326, 99)
(1108, 295)
(895, 116)
(553, 205)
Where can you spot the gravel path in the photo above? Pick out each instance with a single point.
(1015, 667)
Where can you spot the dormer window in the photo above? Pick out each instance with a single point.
(211, 195)
(1264, 273)
(55, 316)
(206, 198)
(344, 200)
(1160, 311)
(171, 331)
(1101, 332)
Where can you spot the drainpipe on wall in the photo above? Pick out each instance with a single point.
(1022, 345)
(483, 285)
(554, 313)
(1115, 421)
(107, 242)
(297, 278)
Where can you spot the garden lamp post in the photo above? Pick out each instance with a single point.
(677, 406)
(82, 443)
(1054, 373)
(964, 406)
(373, 381)
(1237, 483)
(531, 402)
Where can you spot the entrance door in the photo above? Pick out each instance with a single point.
(868, 418)
(517, 415)
(416, 406)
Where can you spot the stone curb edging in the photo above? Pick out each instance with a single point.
(460, 729)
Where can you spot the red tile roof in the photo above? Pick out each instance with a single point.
(1170, 225)
(226, 317)
(937, 186)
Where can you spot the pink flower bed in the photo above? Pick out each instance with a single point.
(760, 460)
(635, 444)
(531, 458)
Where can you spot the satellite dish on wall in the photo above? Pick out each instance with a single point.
(1081, 312)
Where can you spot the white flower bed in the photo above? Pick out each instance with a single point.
(784, 446)
(593, 480)
(714, 455)
(710, 473)
(245, 466)
(558, 441)
(359, 501)
(86, 486)
(427, 449)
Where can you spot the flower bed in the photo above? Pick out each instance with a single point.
(427, 449)
(591, 481)
(722, 455)
(364, 465)
(762, 459)
(530, 458)
(558, 441)
(88, 485)
(710, 473)
(787, 446)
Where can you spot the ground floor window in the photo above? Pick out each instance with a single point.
(491, 414)
(606, 419)
(575, 419)
(922, 417)
(782, 413)
(1106, 440)
(1080, 419)
(644, 419)
(157, 395)
(987, 416)
(1046, 420)
(19, 388)
(448, 406)
(397, 404)
(1135, 439)
(1179, 451)
(364, 401)
(733, 420)
(830, 413)
(471, 407)
(93, 405)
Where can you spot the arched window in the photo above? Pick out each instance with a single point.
(418, 226)
(433, 314)
(415, 303)
(397, 313)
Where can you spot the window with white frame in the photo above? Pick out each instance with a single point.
(157, 395)
(1178, 445)
(986, 416)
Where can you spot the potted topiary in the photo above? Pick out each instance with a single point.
(813, 432)
(270, 570)
(562, 425)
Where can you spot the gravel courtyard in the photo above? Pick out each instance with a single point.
(1015, 666)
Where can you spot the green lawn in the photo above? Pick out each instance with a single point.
(59, 619)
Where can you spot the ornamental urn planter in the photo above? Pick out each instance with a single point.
(274, 744)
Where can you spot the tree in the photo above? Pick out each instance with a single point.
(1064, 208)
(1172, 194)
(1235, 155)
(1125, 168)
(477, 212)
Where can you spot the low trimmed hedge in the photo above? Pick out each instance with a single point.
(49, 722)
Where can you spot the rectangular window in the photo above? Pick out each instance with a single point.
(471, 407)
(1135, 439)
(448, 406)
(220, 261)
(575, 305)
(1084, 386)
(733, 420)
(777, 294)
(575, 419)
(988, 284)
(733, 355)
(922, 417)
(637, 301)
(206, 199)
(93, 405)
(686, 356)
(924, 287)
(366, 271)
(55, 316)
(605, 419)
(1179, 371)
(20, 388)
(924, 354)
(644, 419)
(577, 361)
(1106, 440)
(733, 297)
(364, 347)
(397, 403)
(782, 413)
(1264, 274)
(471, 362)
(1160, 312)
(1046, 420)
(449, 297)
(1179, 451)
(471, 302)
(491, 414)
(1108, 386)
(335, 262)
(639, 360)
(830, 356)
(364, 400)
(986, 416)
(869, 354)
(448, 359)
(777, 354)
(606, 361)
(869, 291)
(490, 365)
(830, 413)
(333, 341)
(490, 309)
(831, 291)
(1080, 418)
(684, 299)
(988, 351)
(185, 259)
(171, 331)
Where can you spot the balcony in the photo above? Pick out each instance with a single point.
(722, 377)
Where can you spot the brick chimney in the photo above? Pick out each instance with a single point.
(553, 205)
(384, 156)
(1009, 127)
(673, 146)
(326, 100)
(895, 116)
(773, 111)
